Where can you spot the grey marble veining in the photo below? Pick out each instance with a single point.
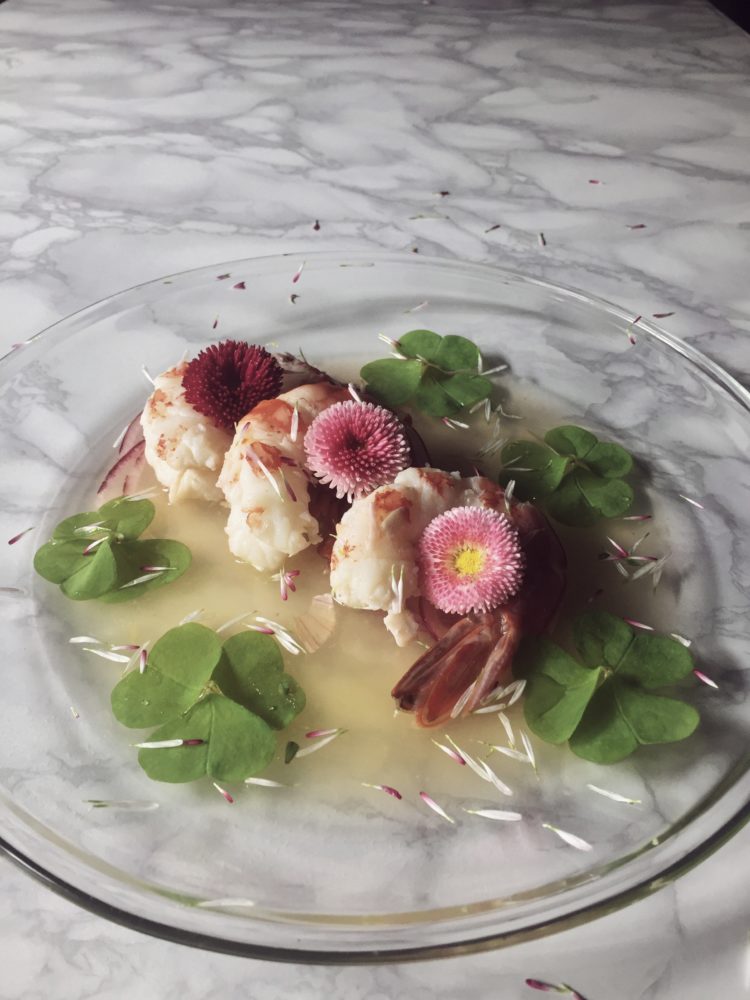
(143, 138)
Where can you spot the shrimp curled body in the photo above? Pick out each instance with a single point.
(264, 479)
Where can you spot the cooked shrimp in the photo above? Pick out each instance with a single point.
(374, 561)
(264, 478)
(184, 448)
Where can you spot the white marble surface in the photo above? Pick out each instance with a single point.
(142, 138)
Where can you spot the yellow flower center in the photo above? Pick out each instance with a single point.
(469, 560)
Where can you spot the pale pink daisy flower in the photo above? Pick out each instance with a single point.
(355, 447)
(470, 559)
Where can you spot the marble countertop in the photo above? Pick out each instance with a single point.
(143, 137)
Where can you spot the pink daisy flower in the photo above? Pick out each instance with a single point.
(355, 447)
(470, 559)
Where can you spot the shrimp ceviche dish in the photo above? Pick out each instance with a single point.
(285, 560)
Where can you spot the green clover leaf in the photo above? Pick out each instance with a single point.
(251, 672)
(438, 375)
(97, 554)
(229, 697)
(557, 688)
(179, 667)
(606, 708)
(577, 477)
(236, 744)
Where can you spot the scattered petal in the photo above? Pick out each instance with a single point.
(141, 579)
(166, 744)
(542, 240)
(393, 792)
(505, 723)
(283, 637)
(635, 624)
(518, 689)
(193, 616)
(148, 375)
(240, 285)
(19, 536)
(332, 735)
(570, 838)
(223, 277)
(511, 752)
(537, 984)
(429, 801)
(529, 749)
(687, 643)
(293, 298)
(224, 792)
(417, 308)
(638, 225)
(74, 713)
(107, 655)
(126, 805)
(705, 680)
(234, 621)
(454, 425)
(76, 639)
(315, 734)
(695, 503)
(142, 659)
(637, 517)
(496, 814)
(493, 228)
(615, 796)
(453, 754)
(298, 273)
(294, 426)
(265, 783)
(661, 315)
(316, 226)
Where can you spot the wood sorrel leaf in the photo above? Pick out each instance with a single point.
(432, 399)
(621, 716)
(394, 382)
(609, 460)
(655, 661)
(602, 639)
(251, 672)
(236, 744)
(654, 718)
(571, 440)
(557, 690)
(603, 735)
(421, 344)
(133, 560)
(180, 665)
(466, 388)
(128, 518)
(456, 354)
(580, 484)
(547, 468)
(583, 498)
(93, 576)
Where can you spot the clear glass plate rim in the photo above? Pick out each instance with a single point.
(703, 361)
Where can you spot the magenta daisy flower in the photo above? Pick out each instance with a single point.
(356, 447)
(470, 559)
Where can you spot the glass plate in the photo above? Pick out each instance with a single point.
(341, 876)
